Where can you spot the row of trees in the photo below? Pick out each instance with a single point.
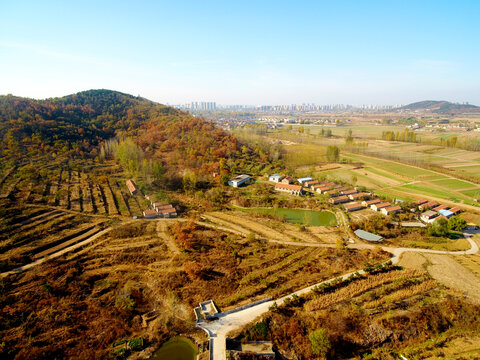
(406, 136)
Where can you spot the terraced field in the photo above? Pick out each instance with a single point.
(81, 191)
(35, 232)
(271, 229)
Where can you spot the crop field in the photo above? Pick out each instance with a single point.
(473, 193)
(454, 184)
(425, 189)
(470, 169)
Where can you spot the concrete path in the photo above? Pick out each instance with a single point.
(217, 329)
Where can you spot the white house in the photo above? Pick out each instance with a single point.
(428, 216)
(239, 180)
(275, 178)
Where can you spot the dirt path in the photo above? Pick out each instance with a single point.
(162, 234)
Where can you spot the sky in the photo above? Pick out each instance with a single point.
(244, 52)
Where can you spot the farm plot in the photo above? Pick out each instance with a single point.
(471, 170)
(239, 219)
(473, 193)
(453, 184)
(134, 206)
(362, 178)
(383, 176)
(20, 241)
(100, 199)
(63, 240)
(425, 189)
(121, 198)
(111, 199)
(448, 271)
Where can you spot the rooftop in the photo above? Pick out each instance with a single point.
(288, 186)
(393, 208)
(365, 235)
(241, 177)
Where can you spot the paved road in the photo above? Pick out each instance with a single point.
(218, 329)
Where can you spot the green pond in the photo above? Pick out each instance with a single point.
(177, 348)
(299, 216)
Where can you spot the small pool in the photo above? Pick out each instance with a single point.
(299, 216)
(177, 348)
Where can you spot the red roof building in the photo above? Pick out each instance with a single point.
(455, 210)
(132, 187)
(291, 189)
(354, 207)
(339, 199)
(441, 207)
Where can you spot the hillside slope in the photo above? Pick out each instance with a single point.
(78, 124)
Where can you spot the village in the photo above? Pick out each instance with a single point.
(354, 199)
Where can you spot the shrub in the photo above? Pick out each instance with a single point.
(136, 343)
(320, 342)
(457, 223)
(439, 228)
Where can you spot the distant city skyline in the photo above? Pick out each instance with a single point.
(262, 52)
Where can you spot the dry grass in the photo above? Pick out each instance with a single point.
(446, 270)
(358, 288)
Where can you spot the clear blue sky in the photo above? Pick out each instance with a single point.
(244, 52)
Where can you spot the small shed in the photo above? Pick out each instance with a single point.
(354, 207)
(275, 178)
(428, 216)
(305, 179)
(365, 235)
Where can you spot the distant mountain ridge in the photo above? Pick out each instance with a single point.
(441, 107)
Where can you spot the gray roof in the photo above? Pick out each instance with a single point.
(365, 235)
(241, 177)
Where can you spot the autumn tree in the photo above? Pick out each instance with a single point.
(333, 153)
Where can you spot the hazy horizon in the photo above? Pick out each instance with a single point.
(268, 53)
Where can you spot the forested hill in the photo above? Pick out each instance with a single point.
(77, 125)
(80, 121)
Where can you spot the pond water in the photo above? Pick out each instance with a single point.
(299, 216)
(177, 348)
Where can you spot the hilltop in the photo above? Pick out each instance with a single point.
(440, 107)
(85, 119)
(83, 125)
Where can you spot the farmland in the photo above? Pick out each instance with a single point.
(107, 286)
(352, 317)
(391, 178)
(81, 188)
